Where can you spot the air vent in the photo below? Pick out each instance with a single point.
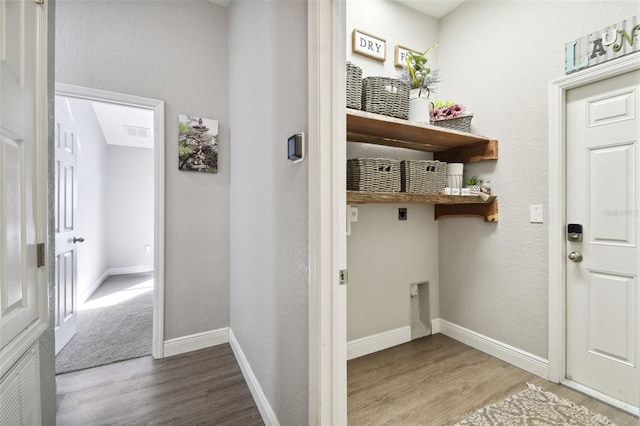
(138, 132)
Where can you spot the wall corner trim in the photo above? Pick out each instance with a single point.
(268, 415)
(377, 342)
(514, 356)
(194, 342)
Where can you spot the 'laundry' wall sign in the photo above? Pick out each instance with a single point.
(601, 46)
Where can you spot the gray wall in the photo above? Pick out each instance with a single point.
(176, 52)
(129, 206)
(269, 236)
(384, 255)
(497, 58)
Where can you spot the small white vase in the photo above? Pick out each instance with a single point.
(419, 107)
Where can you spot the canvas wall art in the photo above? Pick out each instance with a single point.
(197, 144)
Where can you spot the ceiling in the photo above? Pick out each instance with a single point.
(124, 125)
(435, 8)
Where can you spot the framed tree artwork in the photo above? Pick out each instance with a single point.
(197, 144)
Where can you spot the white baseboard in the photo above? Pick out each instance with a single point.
(93, 287)
(112, 271)
(130, 270)
(378, 342)
(194, 342)
(521, 359)
(268, 415)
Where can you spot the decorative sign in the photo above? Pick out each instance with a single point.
(601, 46)
(400, 53)
(369, 45)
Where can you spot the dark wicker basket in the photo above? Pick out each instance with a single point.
(386, 96)
(461, 123)
(373, 174)
(423, 176)
(354, 86)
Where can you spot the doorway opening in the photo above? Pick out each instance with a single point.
(115, 286)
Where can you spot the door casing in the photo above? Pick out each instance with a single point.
(157, 107)
(557, 208)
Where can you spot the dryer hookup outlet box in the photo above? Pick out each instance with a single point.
(295, 147)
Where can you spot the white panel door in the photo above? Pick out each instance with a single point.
(603, 299)
(66, 152)
(21, 94)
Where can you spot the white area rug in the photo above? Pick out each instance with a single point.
(534, 406)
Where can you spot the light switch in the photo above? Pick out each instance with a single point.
(535, 213)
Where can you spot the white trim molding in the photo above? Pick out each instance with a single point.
(621, 405)
(157, 106)
(327, 212)
(130, 270)
(514, 356)
(197, 341)
(92, 288)
(557, 196)
(378, 342)
(268, 415)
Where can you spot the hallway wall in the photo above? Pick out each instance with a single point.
(176, 52)
(269, 200)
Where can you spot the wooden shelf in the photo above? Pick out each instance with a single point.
(446, 205)
(448, 145)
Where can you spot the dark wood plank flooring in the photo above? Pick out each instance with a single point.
(439, 381)
(201, 387)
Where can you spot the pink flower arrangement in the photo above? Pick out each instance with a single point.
(446, 110)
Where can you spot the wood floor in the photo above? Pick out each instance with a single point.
(439, 381)
(202, 387)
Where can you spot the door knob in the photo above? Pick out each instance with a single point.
(78, 240)
(575, 256)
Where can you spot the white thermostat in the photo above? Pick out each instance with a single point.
(295, 147)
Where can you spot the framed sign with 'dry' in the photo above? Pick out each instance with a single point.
(369, 45)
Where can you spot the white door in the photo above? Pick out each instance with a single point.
(603, 298)
(23, 178)
(66, 187)
(22, 136)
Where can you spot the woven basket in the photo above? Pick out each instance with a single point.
(354, 86)
(386, 96)
(423, 176)
(373, 174)
(461, 123)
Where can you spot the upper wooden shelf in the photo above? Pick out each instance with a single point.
(448, 145)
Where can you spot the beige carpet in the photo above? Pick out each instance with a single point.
(534, 406)
(114, 324)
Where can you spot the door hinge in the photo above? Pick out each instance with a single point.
(344, 277)
(40, 256)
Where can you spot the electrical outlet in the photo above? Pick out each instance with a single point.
(402, 213)
(147, 249)
(354, 214)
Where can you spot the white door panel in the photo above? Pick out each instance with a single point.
(19, 303)
(603, 301)
(66, 201)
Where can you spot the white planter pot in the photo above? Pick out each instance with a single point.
(419, 107)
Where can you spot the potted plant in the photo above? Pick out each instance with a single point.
(473, 184)
(451, 115)
(422, 80)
